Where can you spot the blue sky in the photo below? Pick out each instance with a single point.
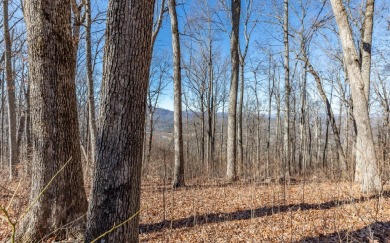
(267, 34)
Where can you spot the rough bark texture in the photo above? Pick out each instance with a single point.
(115, 193)
(13, 150)
(55, 131)
(178, 172)
(231, 173)
(365, 65)
(367, 28)
(366, 161)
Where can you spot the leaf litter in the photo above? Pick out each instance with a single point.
(212, 211)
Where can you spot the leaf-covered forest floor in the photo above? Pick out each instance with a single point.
(213, 211)
(251, 212)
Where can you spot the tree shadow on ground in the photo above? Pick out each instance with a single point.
(375, 232)
(151, 187)
(248, 214)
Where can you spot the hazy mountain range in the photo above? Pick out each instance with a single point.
(164, 119)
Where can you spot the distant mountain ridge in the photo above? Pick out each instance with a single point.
(164, 119)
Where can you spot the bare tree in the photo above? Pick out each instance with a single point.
(287, 89)
(366, 162)
(331, 117)
(178, 175)
(91, 88)
(13, 149)
(231, 173)
(249, 26)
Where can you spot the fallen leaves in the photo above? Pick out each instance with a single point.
(212, 211)
(248, 212)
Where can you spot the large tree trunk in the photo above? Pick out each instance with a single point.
(178, 174)
(55, 131)
(366, 162)
(115, 193)
(231, 173)
(13, 150)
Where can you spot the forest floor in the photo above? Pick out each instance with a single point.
(212, 211)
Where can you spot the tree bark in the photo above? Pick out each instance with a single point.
(240, 147)
(91, 89)
(22, 121)
(231, 173)
(366, 162)
(366, 45)
(55, 132)
(115, 193)
(302, 124)
(286, 140)
(178, 175)
(210, 105)
(2, 165)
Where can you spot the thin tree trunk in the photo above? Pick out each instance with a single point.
(286, 140)
(13, 150)
(302, 123)
(22, 121)
(222, 133)
(2, 148)
(239, 122)
(115, 193)
(331, 118)
(231, 173)
(178, 175)
(210, 108)
(91, 89)
(270, 94)
(278, 155)
(150, 140)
